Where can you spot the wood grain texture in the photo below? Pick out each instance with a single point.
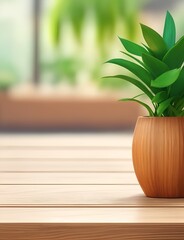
(72, 152)
(89, 191)
(81, 196)
(66, 140)
(158, 156)
(121, 215)
(65, 165)
(42, 231)
(67, 178)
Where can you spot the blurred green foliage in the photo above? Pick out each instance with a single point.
(107, 16)
(8, 76)
(64, 68)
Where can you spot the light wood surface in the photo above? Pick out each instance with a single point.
(92, 215)
(70, 196)
(68, 178)
(66, 140)
(66, 165)
(78, 186)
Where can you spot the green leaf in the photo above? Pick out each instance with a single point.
(134, 58)
(181, 114)
(154, 41)
(136, 83)
(142, 103)
(137, 70)
(163, 106)
(147, 48)
(169, 34)
(173, 111)
(140, 95)
(180, 104)
(159, 97)
(154, 65)
(166, 79)
(177, 89)
(175, 56)
(132, 47)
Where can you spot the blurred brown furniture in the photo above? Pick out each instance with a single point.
(78, 187)
(40, 113)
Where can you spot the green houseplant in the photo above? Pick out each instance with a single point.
(158, 144)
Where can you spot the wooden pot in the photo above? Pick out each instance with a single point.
(158, 156)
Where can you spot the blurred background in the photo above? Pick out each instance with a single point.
(51, 61)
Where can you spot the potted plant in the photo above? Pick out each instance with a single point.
(158, 143)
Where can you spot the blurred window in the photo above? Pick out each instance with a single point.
(16, 39)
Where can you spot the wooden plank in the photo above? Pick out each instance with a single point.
(47, 153)
(66, 165)
(91, 231)
(68, 178)
(67, 139)
(51, 190)
(108, 231)
(82, 196)
(92, 215)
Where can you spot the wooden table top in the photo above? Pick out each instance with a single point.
(78, 186)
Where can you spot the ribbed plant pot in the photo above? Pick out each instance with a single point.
(158, 156)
